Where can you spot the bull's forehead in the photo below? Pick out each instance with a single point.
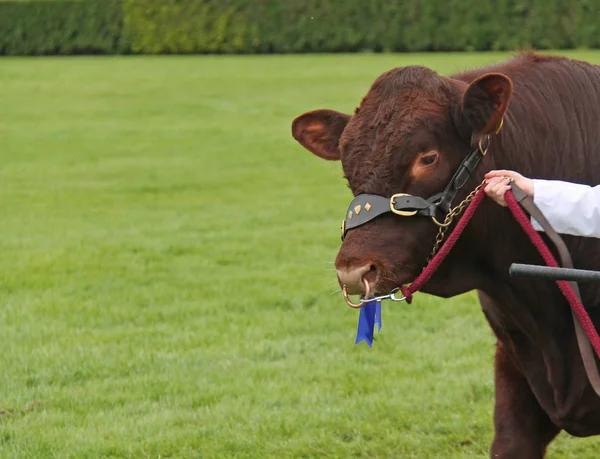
(403, 95)
(397, 118)
(412, 78)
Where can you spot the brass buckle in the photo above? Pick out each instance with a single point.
(403, 213)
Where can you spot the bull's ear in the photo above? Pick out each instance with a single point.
(319, 131)
(485, 102)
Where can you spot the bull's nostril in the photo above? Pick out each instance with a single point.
(371, 274)
(353, 279)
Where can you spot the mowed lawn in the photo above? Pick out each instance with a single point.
(166, 277)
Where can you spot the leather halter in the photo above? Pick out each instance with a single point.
(366, 207)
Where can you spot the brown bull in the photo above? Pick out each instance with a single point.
(409, 135)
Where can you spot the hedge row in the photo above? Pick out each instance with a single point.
(91, 27)
(294, 26)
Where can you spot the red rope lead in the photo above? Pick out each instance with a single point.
(564, 286)
(537, 241)
(445, 250)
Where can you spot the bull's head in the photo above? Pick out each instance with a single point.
(408, 135)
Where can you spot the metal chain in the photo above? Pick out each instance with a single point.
(450, 216)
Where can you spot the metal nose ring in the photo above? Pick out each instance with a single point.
(362, 301)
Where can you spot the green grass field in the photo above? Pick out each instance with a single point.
(166, 277)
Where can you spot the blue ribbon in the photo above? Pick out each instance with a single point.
(370, 314)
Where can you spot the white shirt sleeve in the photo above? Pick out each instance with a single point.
(570, 208)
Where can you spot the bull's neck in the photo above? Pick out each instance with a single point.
(482, 256)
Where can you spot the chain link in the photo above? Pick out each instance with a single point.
(450, 216)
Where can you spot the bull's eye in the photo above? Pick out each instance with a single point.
(427, 159)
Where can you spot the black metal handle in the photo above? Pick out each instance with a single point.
(546, 272)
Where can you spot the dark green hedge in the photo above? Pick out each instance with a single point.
(295, 26)
(251, 26)
(62, 27)
(189, 26)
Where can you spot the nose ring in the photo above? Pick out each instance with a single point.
(361, 303)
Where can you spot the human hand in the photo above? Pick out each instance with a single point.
(498, 183)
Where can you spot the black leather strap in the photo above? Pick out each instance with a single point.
(409, 203)
(585, 347)
(363, 208)
(461, 176)
(366, 207)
